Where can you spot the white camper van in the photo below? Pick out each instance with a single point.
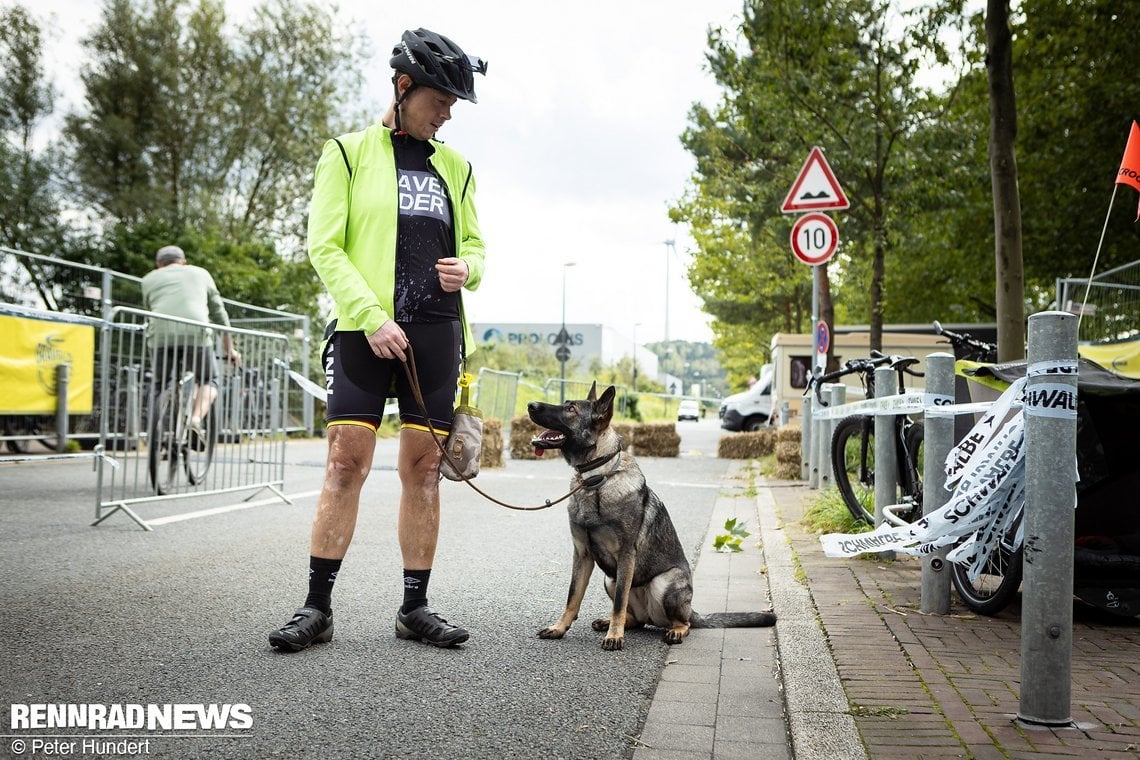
(749, 411)
(792, 357)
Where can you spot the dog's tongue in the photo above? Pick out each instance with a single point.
(539, 451)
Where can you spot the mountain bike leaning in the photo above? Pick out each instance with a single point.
(853, 443)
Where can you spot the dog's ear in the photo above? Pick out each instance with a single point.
(593, 394)
(604, 408)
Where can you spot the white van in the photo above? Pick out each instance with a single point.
(749, 411)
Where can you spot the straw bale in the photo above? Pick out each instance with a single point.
(627, 431)
(787, 470)
(789, 433)
(656, 439)
(746, 445)
(788, 452)
(491, 454)
(523, 430)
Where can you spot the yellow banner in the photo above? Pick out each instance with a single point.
(1121, 358)
(30, 351)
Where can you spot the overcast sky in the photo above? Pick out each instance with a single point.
(575, 144)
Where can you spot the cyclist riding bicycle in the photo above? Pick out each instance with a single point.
(182, 290)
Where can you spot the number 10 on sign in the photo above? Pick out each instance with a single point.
(814, 238)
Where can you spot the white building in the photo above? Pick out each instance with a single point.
(586, 342)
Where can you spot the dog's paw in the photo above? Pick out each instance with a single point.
(601, 624)
(674, 636)
(613, 643)
(552, 632)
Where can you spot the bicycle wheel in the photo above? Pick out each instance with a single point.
(853, 463)
(162, 444)
(911, 479)
(199, 453)
(17, 425)
(995, 587)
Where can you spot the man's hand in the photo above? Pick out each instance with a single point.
(453, 274)
(389, 341)
(234, 357)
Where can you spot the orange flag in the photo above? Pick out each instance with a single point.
(1129, 173)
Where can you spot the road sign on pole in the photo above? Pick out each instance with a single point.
(822, 338)
(814, 238)
(816, 188)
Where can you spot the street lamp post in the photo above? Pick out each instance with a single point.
(635, 326)
(669, 244)
(563, 350)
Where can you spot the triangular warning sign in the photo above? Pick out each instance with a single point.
(816, 188)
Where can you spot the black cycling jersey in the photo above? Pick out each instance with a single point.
(424, 235)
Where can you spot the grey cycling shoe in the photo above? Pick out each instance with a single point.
(307, 627)
(424, 624)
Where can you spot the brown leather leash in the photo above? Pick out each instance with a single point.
(414, 381)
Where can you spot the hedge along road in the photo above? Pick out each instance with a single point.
(116, 616)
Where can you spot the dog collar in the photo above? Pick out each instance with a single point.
(595, 481)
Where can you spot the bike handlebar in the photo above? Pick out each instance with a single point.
(962, 339)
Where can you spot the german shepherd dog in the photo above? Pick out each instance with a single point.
(618, 523)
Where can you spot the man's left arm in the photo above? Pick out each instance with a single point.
(219, 316)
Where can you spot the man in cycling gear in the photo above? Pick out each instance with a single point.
(178, 289)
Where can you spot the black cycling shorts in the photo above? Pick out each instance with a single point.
(359, 382)
(170, 362)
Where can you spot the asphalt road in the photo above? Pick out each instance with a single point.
(115, 615)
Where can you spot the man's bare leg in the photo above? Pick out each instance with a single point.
(349, 460)
(419, 533)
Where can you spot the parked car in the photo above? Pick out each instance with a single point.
(749, 411)
(689, 409)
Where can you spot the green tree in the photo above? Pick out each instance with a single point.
(193, 125)
(28, 201)
(805, 73)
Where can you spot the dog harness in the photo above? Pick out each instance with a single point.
(594, 482)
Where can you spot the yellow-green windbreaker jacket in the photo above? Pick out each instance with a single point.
(352, 225)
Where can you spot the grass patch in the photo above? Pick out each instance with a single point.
(766, 465)
(828, 513)
(865, 711)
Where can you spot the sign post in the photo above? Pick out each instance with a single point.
(814, 235)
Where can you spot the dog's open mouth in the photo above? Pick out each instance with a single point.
(547, 439)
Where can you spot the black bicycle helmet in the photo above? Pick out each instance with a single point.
(433, 60)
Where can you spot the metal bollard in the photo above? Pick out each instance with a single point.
(886, 468)
(820, 440)
(1050, 497)
(805, 438)
(938, 439)
(813, 469)
(62, 371)
(785, 412)
(837, 397)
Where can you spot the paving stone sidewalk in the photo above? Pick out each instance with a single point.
(932, 686)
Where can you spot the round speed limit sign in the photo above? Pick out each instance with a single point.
(814, 238)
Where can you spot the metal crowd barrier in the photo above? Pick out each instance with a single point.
(496, 393)
(248, 416)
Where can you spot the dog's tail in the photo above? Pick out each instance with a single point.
(732, 620)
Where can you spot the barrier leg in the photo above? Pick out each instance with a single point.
(1050, 497)
(61, 381)
(938, 440)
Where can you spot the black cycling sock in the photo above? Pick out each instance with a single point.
(415, 589)
(322, 576)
